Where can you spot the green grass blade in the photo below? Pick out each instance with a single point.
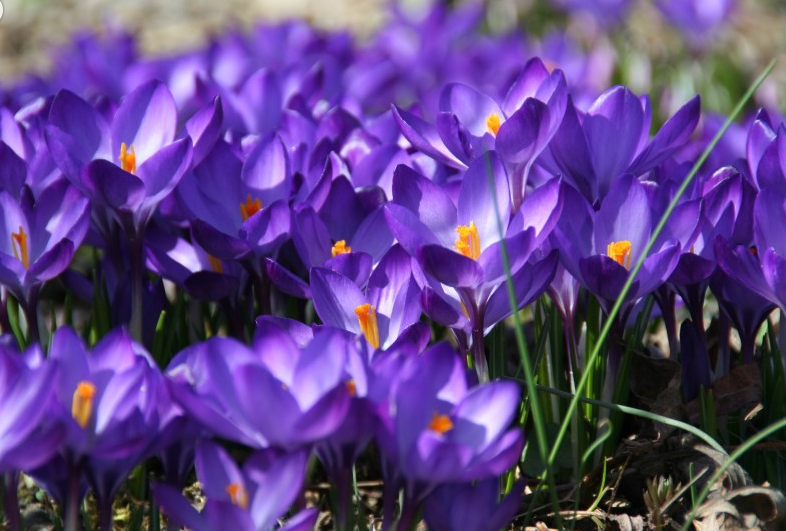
(529, 376)
(643, 414)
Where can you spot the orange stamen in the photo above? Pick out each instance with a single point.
(340, 247)
(128, 158)
(249, 208)
(468, 242)
(238, 495)
(440, 423)
(352, 388)
(620, 252)
(215, 263)
(493, 123)
(19, 244)
(367, 317)
(82, 403)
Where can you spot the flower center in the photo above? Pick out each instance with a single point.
(128, 158)
(249, 208)
(493, 123)
(440, 423)
(19, 244)
(82, 403)
(215, 263)
(468, 242)
(619, 252)
(367, 317)
(238, 495)
(352, 388)
(340, 247)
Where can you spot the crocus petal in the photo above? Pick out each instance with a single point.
(424, 137)
(774, 270)
(485, 184)
(268, 229)
(76, 134)
(217, 243)
(449, 267)
(112, 186)
(441, 311)
(14, 173)
(355, 266)
(525, 86)
(470, 107)
(54, 261)
(216, 470)
(613, 126)
(164, 169)
(410, 232)
(284, 280)
(266, 170)
(428, 200)
(673, 135)
(335, 299)
(277, 484)
(147, 120)
(522, 135)
(529, 283)
(769, 212)
(204, 128)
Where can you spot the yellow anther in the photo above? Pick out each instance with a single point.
(19, 245)
(82, 403)
(440, 423)
(238, 495)
(340, 247)
(468, 242)
(620, 252)
(249, 208)
(493, 123)
(352, 388)
(128, 158)
(215, 263)
(367, 317)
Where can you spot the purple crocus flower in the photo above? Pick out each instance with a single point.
(439, 431)
(39, 239)
(591, 150)
(221, 383)
(599, 248)
(470, 507)
(112, 403)
(383, 313)
(251, 498)
(466, 290)
(28, 435)
(697, 20)
(146, 161)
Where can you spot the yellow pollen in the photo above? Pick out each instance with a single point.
(440, 423)
(128, 158)
(82, 403)
(352, 389)
(493, 123)
(215, 263)
(19, 244)
(249, 208)
(238, 495)
(620, 252)
(367, 317)
(468, 242)
(464, 310)
(340, 247)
